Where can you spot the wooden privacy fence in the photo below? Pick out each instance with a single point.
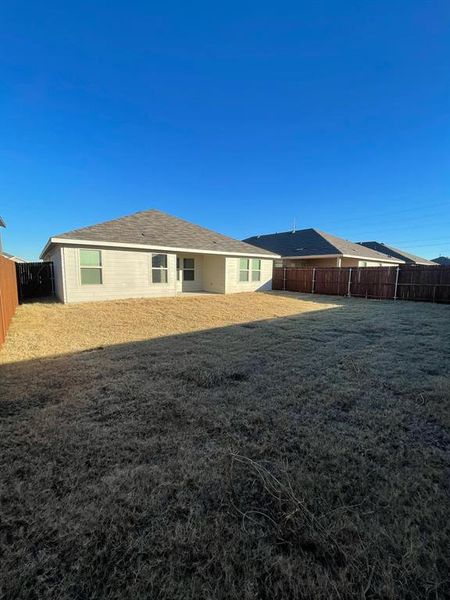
(35, 280)
(8, 294)
(420, 283)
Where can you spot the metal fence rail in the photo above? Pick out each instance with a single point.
(420, 283)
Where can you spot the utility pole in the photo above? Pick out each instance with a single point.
(2, 224)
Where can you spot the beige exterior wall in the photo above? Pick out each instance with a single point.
(233, 285)
(312, 262)
(335, 262)
(127, 273)
(352, 262)
(197, 284)
(214, 273)
(56, 257)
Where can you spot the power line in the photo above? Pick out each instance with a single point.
(389, 213)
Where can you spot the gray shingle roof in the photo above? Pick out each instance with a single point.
(442, 260)
(13, 257)
(396, 253)
(312, 242)
(153, 227)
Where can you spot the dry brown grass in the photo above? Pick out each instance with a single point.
(49, 329)
(291, 454)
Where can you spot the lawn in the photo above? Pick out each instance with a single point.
(255, 446)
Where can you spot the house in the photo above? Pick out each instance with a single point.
(149, 254)
(442, 260)
(315, 248)
(409, 259)
(16, 259)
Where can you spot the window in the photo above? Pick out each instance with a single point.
(159, 268)
(91, 267)
(256, 269)
(244, 269)
(249, 269)
(188, 269)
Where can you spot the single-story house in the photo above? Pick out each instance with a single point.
(149, 254)
(314, 248)
(409, 259)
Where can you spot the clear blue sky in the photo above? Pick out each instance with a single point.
(238, 116)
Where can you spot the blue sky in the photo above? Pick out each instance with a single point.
(238, 116)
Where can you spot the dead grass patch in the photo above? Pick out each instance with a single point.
(294, 453)
(51, 329)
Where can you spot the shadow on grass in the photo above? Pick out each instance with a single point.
(299, 457)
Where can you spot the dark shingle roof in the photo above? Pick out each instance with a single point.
(442, 260)
(396, 253)
(153, 227)
(312, 242)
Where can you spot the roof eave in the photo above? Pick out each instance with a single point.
(46, 248)
(310, 256)
(78, 242)
(377, 258)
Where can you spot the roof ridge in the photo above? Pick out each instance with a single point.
(84, 227)
(153, 226)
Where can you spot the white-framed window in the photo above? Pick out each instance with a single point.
(249, 269)
(159, 268)
(256, 269)
(188, 269)
(244, 269)
(91, 267)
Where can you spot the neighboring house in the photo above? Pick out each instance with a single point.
(409, 259)
(442, 260)
(14, 258)
(150, 254)
(314, 248)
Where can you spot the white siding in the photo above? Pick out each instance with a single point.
(125, 274)
(56, 258)
(233, 284)
(214, 273)
(197, 284)
(369, 263)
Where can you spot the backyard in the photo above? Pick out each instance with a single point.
(253, 446)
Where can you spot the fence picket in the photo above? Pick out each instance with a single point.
(421, 283)
(8, 294)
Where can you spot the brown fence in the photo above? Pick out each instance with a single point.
(427, 284)
(8, 294)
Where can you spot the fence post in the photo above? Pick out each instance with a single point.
(349, 282)
(313, 281)
(284, 279)
(396, 282)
